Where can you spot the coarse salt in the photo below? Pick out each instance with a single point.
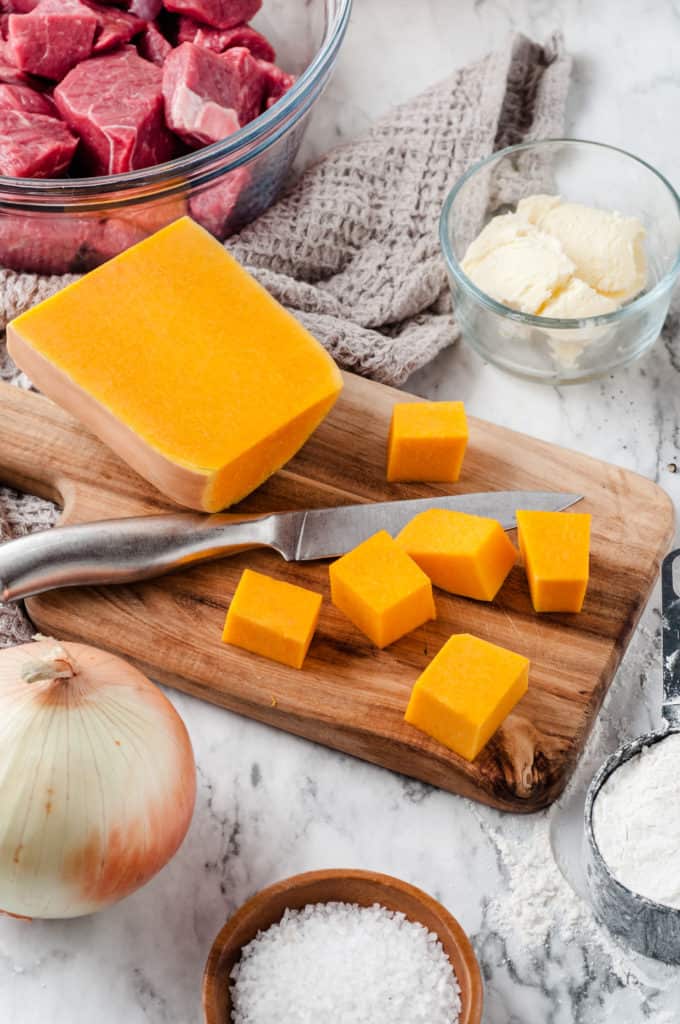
(339, 963)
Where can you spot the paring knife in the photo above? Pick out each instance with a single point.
(139, 548)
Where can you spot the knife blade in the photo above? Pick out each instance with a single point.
(329, 532)
(139, 548)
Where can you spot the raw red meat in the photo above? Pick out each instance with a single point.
(216, 207)
(209, 96)
(63, 244)
(26, 100)
(9, 72)
(249, 82)
(276, 82)
(115, 27)
(146, 9)
(200, 95)
(152, 45)
(218, 13)
(219, 40)
(115, 104)
(18, 6)
(53, 38)
(122, 101)
(34, 146)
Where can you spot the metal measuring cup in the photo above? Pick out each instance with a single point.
(649, 928)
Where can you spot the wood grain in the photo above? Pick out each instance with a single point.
(362, 887)
(349, 695)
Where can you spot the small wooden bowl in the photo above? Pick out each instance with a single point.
(362, 887)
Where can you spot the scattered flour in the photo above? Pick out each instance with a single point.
(345, 964)
(636, 820)
(539, 906)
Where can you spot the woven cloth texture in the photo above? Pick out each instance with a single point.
(352, 247)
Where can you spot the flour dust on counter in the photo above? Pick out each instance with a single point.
(539, 926)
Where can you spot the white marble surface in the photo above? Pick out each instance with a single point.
(270, 805)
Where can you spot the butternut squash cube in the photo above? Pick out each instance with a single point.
(272, 618)
(464, 554)
(180, 361)
(427, 441)
(381, 590)
(555, 547)
(466, 692)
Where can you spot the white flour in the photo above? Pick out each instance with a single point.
(636, 819)
(539, 909)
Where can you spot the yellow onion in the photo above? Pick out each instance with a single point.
(97, 779)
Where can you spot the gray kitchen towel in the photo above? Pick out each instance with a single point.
(352, 248)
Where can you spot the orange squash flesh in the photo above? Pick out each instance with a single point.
(381, 590)
(179, 360)
(273, 618)
(427, 441)
(555, 547)
(466, 692)
(461, 553)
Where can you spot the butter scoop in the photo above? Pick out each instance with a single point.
(578, 300)
(517, 264)
(606, 248)
(557, 259)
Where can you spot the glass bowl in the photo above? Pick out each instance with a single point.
(55, 226)
(562, 351)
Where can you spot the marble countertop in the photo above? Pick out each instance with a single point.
(270, 805)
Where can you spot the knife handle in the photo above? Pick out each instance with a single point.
(127, 550)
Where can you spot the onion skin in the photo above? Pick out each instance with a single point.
(97, 783)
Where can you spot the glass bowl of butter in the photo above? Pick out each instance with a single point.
(562, 256)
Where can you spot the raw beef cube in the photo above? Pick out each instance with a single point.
(18, 6)
(115, 104)
(115, 27)
(250, 80)
(53, 38)
(152, 45)
(146, 9)
(25, 100)
(218, 13)
(276, 82)
(105, 239)
(220, 40)
(216, 207)
(63, 244)
(9, 72)
(205, 99)
(34, 146)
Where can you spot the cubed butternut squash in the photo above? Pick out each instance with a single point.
(381, 590)
(555, 548)
(461, 553)
(466, 692)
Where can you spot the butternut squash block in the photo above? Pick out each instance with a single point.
(381, 590)
(181, 362)
(272, 618)
(464, 554)
(427, 441)
(555, 547)
(466, 692)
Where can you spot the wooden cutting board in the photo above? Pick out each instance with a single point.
(349, 695)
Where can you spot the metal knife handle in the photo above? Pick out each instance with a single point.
(125, 550)
(670, 629)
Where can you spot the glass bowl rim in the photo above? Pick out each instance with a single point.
(71, 190)
(549, 322)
